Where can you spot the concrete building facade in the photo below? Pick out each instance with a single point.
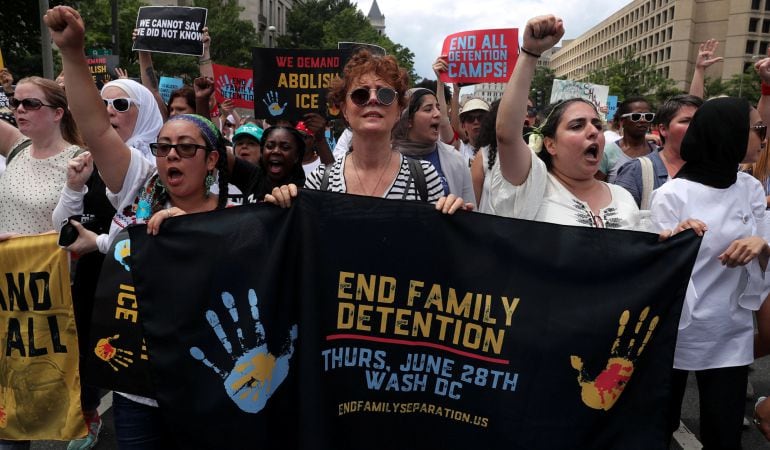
(666, 34)
(264, 14)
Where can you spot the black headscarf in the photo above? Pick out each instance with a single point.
(715, 142)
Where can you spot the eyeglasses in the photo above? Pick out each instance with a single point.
(761, 131)
(636, 117)
(30, 104)
(385, 95)
(531, 111)
(119, 104)
(162, 149)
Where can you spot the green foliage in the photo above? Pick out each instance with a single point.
(746, 85)
(20, 37)
(633, 77)
(542, 83)
(321, 24)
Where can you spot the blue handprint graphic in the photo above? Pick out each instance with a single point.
(272, 102)
(256, 373)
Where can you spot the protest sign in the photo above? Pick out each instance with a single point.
(2, 64)
(40, 395)
(290, 83)
(102, 68)
(167, 85)
(567, 89)
(353, 47)
(170, 29)
(234, 84)
(480, 56)
(612, 107)
(345, 330)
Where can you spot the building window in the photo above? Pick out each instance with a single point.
(755, 4)
(766, 26)
(763, 47)
(670, 30)
(767, 6)
(753, 23)
(750, 45)
(668, 53)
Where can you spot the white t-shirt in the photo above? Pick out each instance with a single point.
(343, 144)
(311, 166)
(716, 326)
(29, 190)
(543, 198)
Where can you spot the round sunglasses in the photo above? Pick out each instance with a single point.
(162, 149)
(120, 104)
(385, 95)
(29, 104)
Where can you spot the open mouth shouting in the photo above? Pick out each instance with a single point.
(592, 153)
(174, 176)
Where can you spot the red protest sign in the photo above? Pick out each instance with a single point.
(480, 56)
(234, 84)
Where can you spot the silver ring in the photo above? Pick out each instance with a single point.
(757, 422)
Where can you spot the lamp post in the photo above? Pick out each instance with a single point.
(271, 35)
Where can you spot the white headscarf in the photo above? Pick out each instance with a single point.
(148, 122)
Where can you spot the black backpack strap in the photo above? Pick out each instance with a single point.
(16, 150)
(325, 179)
(416, 172)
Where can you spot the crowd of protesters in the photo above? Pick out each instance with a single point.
(125, 156)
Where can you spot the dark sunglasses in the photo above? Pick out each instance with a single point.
(30, 104)
(119, 104)
(470, 118)
(531, 111)
(385, 95)
(761, 131)
(162, 149)
(636, 117)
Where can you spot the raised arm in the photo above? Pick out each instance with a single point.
(540, 34)
(204, 63)
(705, 59)
(110, 153)
(150, 79)
(9, 135)
(763, 106)
(454, 112)
(445, 127)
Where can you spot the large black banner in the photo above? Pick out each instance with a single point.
(170, 29)
(350, 322)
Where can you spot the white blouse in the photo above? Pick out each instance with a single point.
(716, 326)
(543, 198)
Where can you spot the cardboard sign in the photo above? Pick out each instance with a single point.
(234, 84)
(290, 83)
(481, 56)
(167, 85)
(567, 89)
(102, 68)
(170, 29)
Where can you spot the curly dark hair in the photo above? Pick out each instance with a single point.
(488, 135)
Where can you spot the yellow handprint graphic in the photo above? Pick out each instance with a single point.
(603, 391)
(112, 355)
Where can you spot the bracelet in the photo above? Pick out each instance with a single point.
(765, 88)
(529, 52)
(203, 61)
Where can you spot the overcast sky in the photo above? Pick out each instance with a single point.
(422, 25)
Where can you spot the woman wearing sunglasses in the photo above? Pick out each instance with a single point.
(40, 148)
(133, 113)
(728, 282)
(187, 151)
(371, 96)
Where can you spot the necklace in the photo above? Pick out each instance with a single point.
(382, 173)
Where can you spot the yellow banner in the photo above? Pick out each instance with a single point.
(2, 64)
(39, 377)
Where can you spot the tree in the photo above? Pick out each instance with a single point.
(746, 85)
(632, 77)
(20, 37)
(321, 24)
(542, 83)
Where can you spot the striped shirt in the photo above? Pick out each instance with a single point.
(396, 189)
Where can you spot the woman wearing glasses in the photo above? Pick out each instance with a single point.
(728, 281)
(187, 151)
(371, 96)
(38, 153)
